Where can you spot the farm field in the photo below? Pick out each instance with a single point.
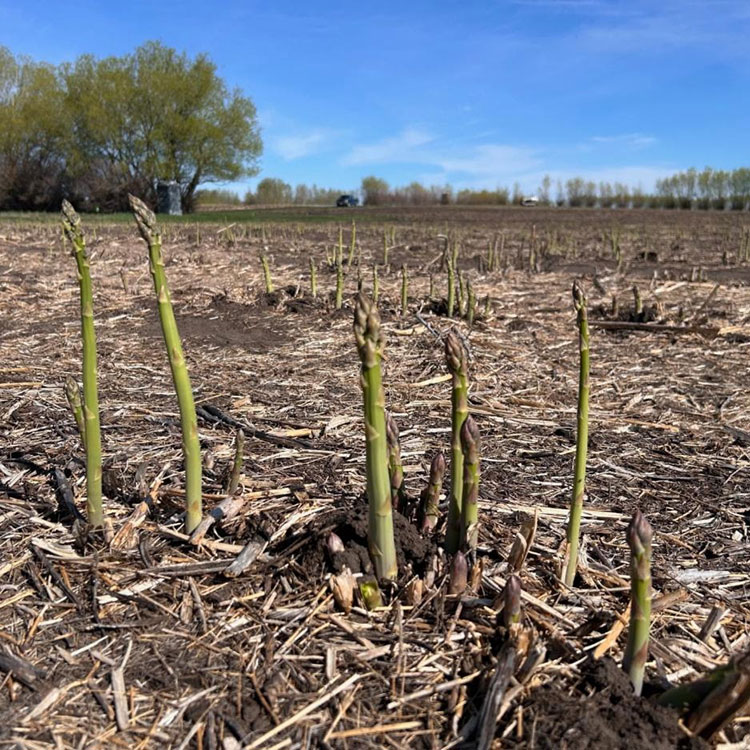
(150, 642)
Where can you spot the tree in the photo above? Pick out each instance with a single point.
(272, 191)
(157, 115)
(374, 191)
(32, 133)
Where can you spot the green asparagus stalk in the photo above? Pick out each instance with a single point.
(636, 652)
(370, 345)
(73, 394)
(266, 274)
(470, 494)
(375, 285)
(451, 289)
(313, 278)
(461, 294)
(370, 592)
(146, 222)
(339, 281)
(455, 358)
(512, 601)
(404, 291)
(72, 227)
(582, 437)
(352, 245)
(239, 454)
(385, 247)
(471, 303)
(430, 499)
(395, 469)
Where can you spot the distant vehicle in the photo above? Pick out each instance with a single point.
(347, 201)
(530, 200)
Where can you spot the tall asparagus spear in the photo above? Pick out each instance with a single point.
(451, 288)
(375, 285)
(636, 652)
(146, 222)
(470, 494)
(72, 227)
(73, 394)
(395, 469)
(582, 436)
(370, 347)
(404, 291)
(266, 274)
(430, 499)
(455, 358)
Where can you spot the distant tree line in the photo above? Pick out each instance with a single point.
(95, 129)
(709, 189)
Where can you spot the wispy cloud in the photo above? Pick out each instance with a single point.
(291, 147)
(402, 148)
(631, 141)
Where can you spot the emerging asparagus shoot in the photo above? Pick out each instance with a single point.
(370, 348)
(636, 653)
(395, 469)
(429, 506)
(93, 442)
(582, 437)
(146, 222)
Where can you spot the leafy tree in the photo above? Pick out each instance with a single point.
(375, 192)
(157, 115)
(272, 191)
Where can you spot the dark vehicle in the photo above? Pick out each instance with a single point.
(347, 201)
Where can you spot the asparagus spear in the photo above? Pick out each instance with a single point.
(455, 357)
(582, 436)
(636, 652)
(404, 291)
(458, 578)
(451, 288)
(266, 274)
(395, 469)
(430, 499)
(512, 601)
(234, 475)
(313, 278)
(93, 442)
(73, 394)
(146, 222)
(375, 285)
(470, 494)
(370, 347)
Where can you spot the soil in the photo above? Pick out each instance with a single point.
(265, 658)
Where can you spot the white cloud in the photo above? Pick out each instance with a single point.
(629, 140)
(291, 147)
(399, 148)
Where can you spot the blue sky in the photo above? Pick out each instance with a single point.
(474, 93)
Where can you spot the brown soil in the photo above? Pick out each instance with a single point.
(207, 657)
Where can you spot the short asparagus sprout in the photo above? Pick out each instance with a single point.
(72, 227)
(370, 592)
(637, 301)
(266, 274)
(73, 394)
(429, 512)
(313, 278)
(385, 247)
(395, 469)
(455, 358)
(458, 576)
(370, 346)
(512, 601)
(404, 291)
(582, 437)
(636, 653)
(148, 229)
(239, 455)
(470, 494)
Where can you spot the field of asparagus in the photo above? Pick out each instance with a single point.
(342, 520)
